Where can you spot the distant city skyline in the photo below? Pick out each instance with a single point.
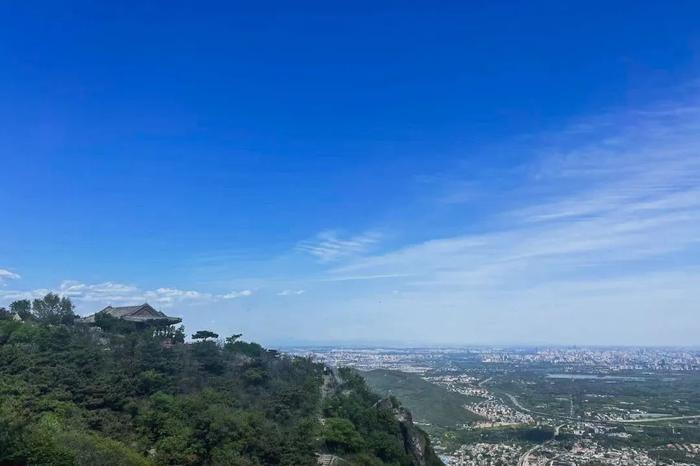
(453, 174)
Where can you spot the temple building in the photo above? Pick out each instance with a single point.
(143, 313)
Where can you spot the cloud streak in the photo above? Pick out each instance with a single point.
(607, 205)
(349, 278)
(597, 240)
(291, 292)
(237, 294)
(8, 275)
(328, 246)
(632, 194)
(97, 294)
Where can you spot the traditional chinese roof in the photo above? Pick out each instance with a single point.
(141, 313)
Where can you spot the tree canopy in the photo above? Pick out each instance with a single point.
(53, 309)
(23, 308)
(205, 335)
(107, 395)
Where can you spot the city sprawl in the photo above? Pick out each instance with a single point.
(542, 406)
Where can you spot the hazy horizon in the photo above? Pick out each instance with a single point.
(363, 172)
(359, 345)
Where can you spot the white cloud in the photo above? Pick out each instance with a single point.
(237, 294)
(120, 293)
(13, 295)
(8, 275)
(327, 246)
(636, 200)
(105, 291)
(591, 222)
(114, 293)
(346, 278)
(96, 295)
(291, 292)
(168, 296)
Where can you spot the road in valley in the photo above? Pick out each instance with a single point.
(525, 459)
(518, 405)
(483, 382)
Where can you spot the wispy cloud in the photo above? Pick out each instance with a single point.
(120, 293)
(169, 296)
(93, 295)
(8, 275)
(105, 291)
(346, 278)
(638, 198)
(329, 246)
(291, 292)
(237, 294)
(12, 295)
(601, 208)
(597, 238)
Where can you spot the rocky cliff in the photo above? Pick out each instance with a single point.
(391, 424)
(415, 441)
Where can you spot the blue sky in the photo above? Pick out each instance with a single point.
(393, 172)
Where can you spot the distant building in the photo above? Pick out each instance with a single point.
(144, 314)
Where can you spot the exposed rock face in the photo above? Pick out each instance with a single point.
(415, 441)
(330, 382)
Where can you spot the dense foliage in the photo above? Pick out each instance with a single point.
(357, 429)
(429, 402)
(119, 394)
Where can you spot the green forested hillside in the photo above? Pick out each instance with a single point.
(428, 402)
(125, 395)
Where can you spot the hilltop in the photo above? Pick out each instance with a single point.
(117, 393)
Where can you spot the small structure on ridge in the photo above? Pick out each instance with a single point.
(142, 314)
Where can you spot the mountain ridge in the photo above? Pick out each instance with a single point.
(122, 394)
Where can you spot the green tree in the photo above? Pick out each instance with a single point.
(232, 339)
(251, 349)
(170, 332)
(53, 309)
(23, 308)
(341, 435)
(178, 335)
(5, 314)
(119, 396)
(204, 335)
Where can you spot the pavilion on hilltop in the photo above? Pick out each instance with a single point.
(141, 314)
